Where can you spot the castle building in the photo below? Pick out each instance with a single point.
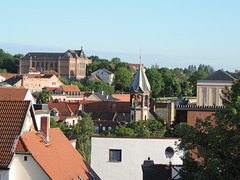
(139, 96)
(71, 64)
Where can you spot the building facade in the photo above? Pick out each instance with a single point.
(210, 90)
(71, 64)
(121, 157)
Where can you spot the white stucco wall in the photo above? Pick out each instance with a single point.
(104, 76)
(38, 119)
(134, 152)
(26, 170)
(29, 97)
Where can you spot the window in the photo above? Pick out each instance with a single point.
(38, 64)
(51, 64)
(33, 64)
(25, 158)
(56, 64)
(115, 155)
(54, 83)
(42, 64)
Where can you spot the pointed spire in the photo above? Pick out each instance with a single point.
(140, 55)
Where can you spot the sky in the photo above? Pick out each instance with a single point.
(171, 33)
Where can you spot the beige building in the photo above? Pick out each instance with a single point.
(209, 90)
(34, 83)
(71, 64)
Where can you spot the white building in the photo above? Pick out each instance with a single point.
(121, 158)
(104, 75)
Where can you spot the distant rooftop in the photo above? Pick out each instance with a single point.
(219, 75)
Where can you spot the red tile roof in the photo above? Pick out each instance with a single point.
(67, 108)
(51, 73)
(59, 159)
(12, 116)
(70, 88)
(13, 93)
(7, 75)
(122, 97)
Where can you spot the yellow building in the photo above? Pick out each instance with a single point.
(71, 64)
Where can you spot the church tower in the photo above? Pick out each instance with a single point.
(139, 96)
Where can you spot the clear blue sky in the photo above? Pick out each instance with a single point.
(172, 33)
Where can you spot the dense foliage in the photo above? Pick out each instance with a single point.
(8, 62)
(150, 128)
(44, 96)
(82, 132)
(215, 141)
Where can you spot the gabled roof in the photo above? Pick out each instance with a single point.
(13, 80)
(7, 75)
(219, 75)
(12, 117)
(51, 73)
(13, 93)
(59, 159)
(70, 88)
(101, 96)
(140, 81)
(122, 97)
(64, 107)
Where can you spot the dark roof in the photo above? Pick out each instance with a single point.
(104, 97)
(69, 53)
(47, 76)
(219, 75)
(98, 115)
(14, 80)
(43, 55)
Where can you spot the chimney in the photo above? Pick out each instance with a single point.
(171, 113)
(45, 126)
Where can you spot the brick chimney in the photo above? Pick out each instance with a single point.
(45, 126)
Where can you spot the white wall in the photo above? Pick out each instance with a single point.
(134, 152)
(38, 119)
(26, 170)
(29, 97)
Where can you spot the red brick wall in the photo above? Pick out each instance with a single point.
(193, 115)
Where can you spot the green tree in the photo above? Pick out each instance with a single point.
(3, 71)
(8, 62)
(44, 97)
(123, 79)
(83, 132)
(142, 128)
(156, 81)
(197, 75)
(216, 141)
(172, 86)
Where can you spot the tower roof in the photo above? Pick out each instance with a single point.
(140, 81)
